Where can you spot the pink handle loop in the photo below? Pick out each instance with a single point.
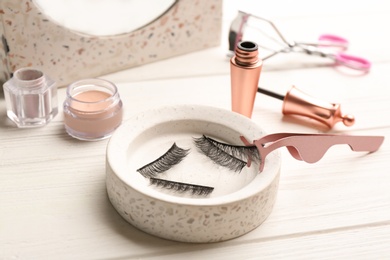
(353, 62)
(334, 40)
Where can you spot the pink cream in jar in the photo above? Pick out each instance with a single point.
(92, 109)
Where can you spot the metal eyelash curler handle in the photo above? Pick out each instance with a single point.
(326, 40)
(311, 147)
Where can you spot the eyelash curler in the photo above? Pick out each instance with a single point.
(311, 147)
(320, 48)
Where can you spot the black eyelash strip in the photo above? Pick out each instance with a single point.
(218, 155)
(238, 151)
(172, 157)
(181, 186)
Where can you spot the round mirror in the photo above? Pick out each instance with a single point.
(103, 17)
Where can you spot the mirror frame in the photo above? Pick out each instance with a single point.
(31, 39)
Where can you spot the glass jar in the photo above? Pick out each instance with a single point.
(92, 109)
(31, 98)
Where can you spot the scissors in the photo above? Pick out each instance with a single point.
(323, 48)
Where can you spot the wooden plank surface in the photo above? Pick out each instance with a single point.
(53, 203)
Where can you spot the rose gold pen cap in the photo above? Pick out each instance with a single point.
(297, 102)
(245, 68)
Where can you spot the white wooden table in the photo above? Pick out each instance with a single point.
(53, 202)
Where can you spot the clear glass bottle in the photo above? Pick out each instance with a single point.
(92, 109)
(31, 98)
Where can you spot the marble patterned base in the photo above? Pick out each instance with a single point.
(240, 202)
(30, 39)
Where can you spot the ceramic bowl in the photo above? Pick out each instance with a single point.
(240, 201)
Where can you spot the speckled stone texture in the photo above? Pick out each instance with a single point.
(239, 203)
(189, 223)
(4, 71)
(65, 55)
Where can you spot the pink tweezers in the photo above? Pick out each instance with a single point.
(311, 147)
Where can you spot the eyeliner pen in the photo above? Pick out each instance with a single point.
(296, 102)
(270, 93)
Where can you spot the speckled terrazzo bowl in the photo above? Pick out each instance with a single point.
(240, 201)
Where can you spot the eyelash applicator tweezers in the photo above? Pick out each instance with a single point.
(245, 69)
(311, 147)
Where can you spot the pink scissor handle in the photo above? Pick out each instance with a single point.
(334, 40)
(346, 60)
(353, 62)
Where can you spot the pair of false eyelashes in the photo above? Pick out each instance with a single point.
(233, 157)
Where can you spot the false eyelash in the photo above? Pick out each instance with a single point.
(181, 186)
(218, 155)
(166, 161)
(242, 152)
